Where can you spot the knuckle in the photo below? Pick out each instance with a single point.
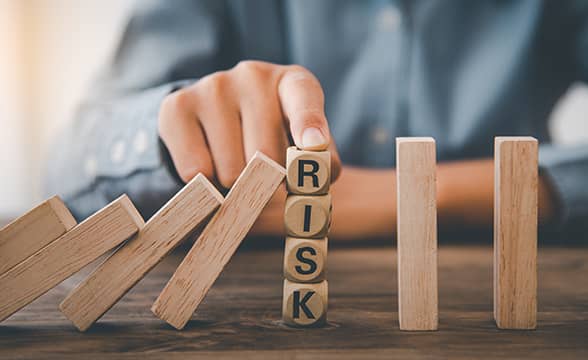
(215, 84)
(251, 67)
(313, 118)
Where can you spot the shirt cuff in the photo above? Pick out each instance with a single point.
(566, 169)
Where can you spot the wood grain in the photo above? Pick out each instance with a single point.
(515, 232)
(32, 231)
(241, 315)
(219, 241)
(308, 172)
(68, 254)
(175, 221)
(417, 234)
(308, 216)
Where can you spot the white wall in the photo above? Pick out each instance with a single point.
(49, 52)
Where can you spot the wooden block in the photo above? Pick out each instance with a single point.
(515, 232)
(305, 305)
(307, 216)
(65, 256)
(417, 233)
(305, 260)
(219, 241)
(175, 221)
(308, 172)
(32, 231)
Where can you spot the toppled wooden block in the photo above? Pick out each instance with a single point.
(305, 305)
(175, 221)
(307, 216)
(68, 254)
(308, 172)
(305, 260)
(218, 241)
(515, 232)
(417, 234)
(32, 231)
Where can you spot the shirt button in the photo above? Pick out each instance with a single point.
(117, 152)
(90, 166)
(141, 142)
(389, 18)
(380, 136)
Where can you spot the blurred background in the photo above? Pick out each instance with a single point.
(49, 52)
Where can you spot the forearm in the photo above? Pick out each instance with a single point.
(364, 201)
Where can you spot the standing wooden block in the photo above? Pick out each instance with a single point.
(515, 232)
(305, 305)
(307, 216)
(219, 241)
(175, 221)
(68, 254)
(32, 231)
(308, 172)
(417, 233)
(305, 260)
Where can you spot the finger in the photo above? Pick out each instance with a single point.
(181, 133)
(336, 166)
(263, 127)
(302, 100)
(222, 127)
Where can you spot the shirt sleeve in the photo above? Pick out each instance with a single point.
(111, 145)
(566, 170)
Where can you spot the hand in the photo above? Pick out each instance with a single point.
(216, 125)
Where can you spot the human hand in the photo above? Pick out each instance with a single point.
(216, 125)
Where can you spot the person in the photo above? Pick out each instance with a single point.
(199, 86)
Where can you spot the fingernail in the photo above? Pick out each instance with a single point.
(313, 138)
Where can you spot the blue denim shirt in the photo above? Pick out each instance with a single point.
(460, 71)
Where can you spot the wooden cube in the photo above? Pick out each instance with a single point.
(308, 172)
(305, 260)
(305, 305)
(307, 216)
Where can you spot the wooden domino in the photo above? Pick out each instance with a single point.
(515, 232)
(219, 241)
(307, 216)
(65, 256)
(175, 221)
(305, 260)
(417, 233)
(308, 172)
(32, 231)
(307, 219)
(305, 304)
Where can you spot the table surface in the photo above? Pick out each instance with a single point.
(241, 314)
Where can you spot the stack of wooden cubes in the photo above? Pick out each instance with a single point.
(307, 219)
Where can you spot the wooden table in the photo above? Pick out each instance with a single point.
(241, 315)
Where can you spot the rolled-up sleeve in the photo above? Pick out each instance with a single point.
(566, 169)
(111, 145)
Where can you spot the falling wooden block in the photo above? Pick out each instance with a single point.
(308, 172)
(175, 221)
(305, 305)
(307, 216)
(417, 233)
(32, 231)
(515, 232)
(305, 260)
(218, 241)
(65, 256)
